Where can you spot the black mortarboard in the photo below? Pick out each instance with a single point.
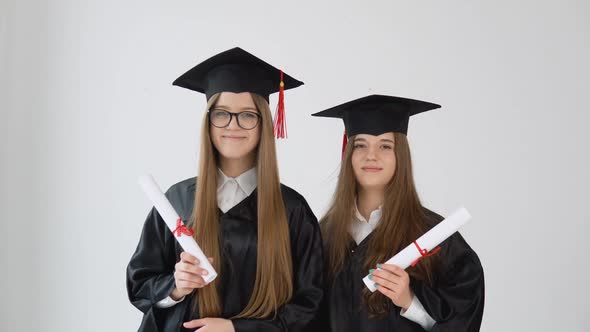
(235, 70)
(377, 114)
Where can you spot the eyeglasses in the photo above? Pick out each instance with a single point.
(246, 120)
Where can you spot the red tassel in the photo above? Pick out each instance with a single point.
(344, 143)
(280, 122)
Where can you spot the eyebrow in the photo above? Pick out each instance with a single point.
(241, 109)
(387, 140)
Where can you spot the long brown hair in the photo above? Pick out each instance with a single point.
(403, 220)
(273, 286)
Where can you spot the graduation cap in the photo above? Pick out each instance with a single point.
(376, 114)
(236, 70)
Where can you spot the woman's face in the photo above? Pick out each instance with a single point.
(373, 160)
(231, 140)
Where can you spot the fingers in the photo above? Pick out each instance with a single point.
(390, 284)
(190, 268)
(195, 323)
(186, 287)
(393, 282)
(400, 298)
(187, 274)
(192, 260)
(392, 273)
(184, 276)
(393, 269)
(188, 258)
(387, 292)
(388, 288)
(391, 277)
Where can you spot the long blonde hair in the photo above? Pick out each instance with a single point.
(403, 220)
(273, 285)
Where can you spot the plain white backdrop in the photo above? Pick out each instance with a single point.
(87, 106)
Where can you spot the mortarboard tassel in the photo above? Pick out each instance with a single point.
(280, 122)
(344, 143)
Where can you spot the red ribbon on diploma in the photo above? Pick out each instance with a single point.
(424, 253)
(182, 229)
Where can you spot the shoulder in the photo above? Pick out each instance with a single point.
(183, 186)
(291, 196)
(182, 195)
(432, 217)
(455, 248)
(297, 206)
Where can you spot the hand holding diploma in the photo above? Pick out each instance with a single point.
(393, 282)
(425, 245)
(193, 270)
(188, 276)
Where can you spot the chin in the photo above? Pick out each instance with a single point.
(233, 154)
(372, 184)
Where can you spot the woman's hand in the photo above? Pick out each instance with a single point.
(393, 282)
(211, 325)
(187, 276)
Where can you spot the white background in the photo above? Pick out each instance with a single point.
(87, 106)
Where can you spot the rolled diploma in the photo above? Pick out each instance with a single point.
(428, 240)
(161, 203)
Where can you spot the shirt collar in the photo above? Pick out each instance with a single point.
(374, 217)
(247, 181)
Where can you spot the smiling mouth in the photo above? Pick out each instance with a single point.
(233, 137)
(372, 169)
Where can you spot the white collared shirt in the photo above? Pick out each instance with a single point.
(230, 192)
(359, 230)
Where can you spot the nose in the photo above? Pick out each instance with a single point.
(371, 153)
(233, 122)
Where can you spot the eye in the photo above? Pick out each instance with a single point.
(248, 115)
(220, 114)
(386, 147)
(359, 146)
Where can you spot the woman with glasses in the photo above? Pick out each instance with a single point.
(261, 236)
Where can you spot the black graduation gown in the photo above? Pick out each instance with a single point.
(150, 271)
(455, 301)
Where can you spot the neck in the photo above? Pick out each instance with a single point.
(368, 200)
(236, 167)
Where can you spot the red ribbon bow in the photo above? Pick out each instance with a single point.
(424, 253)
(182, 229)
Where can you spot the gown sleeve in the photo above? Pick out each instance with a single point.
(150, 271)
(456, 301)
(307, 253)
